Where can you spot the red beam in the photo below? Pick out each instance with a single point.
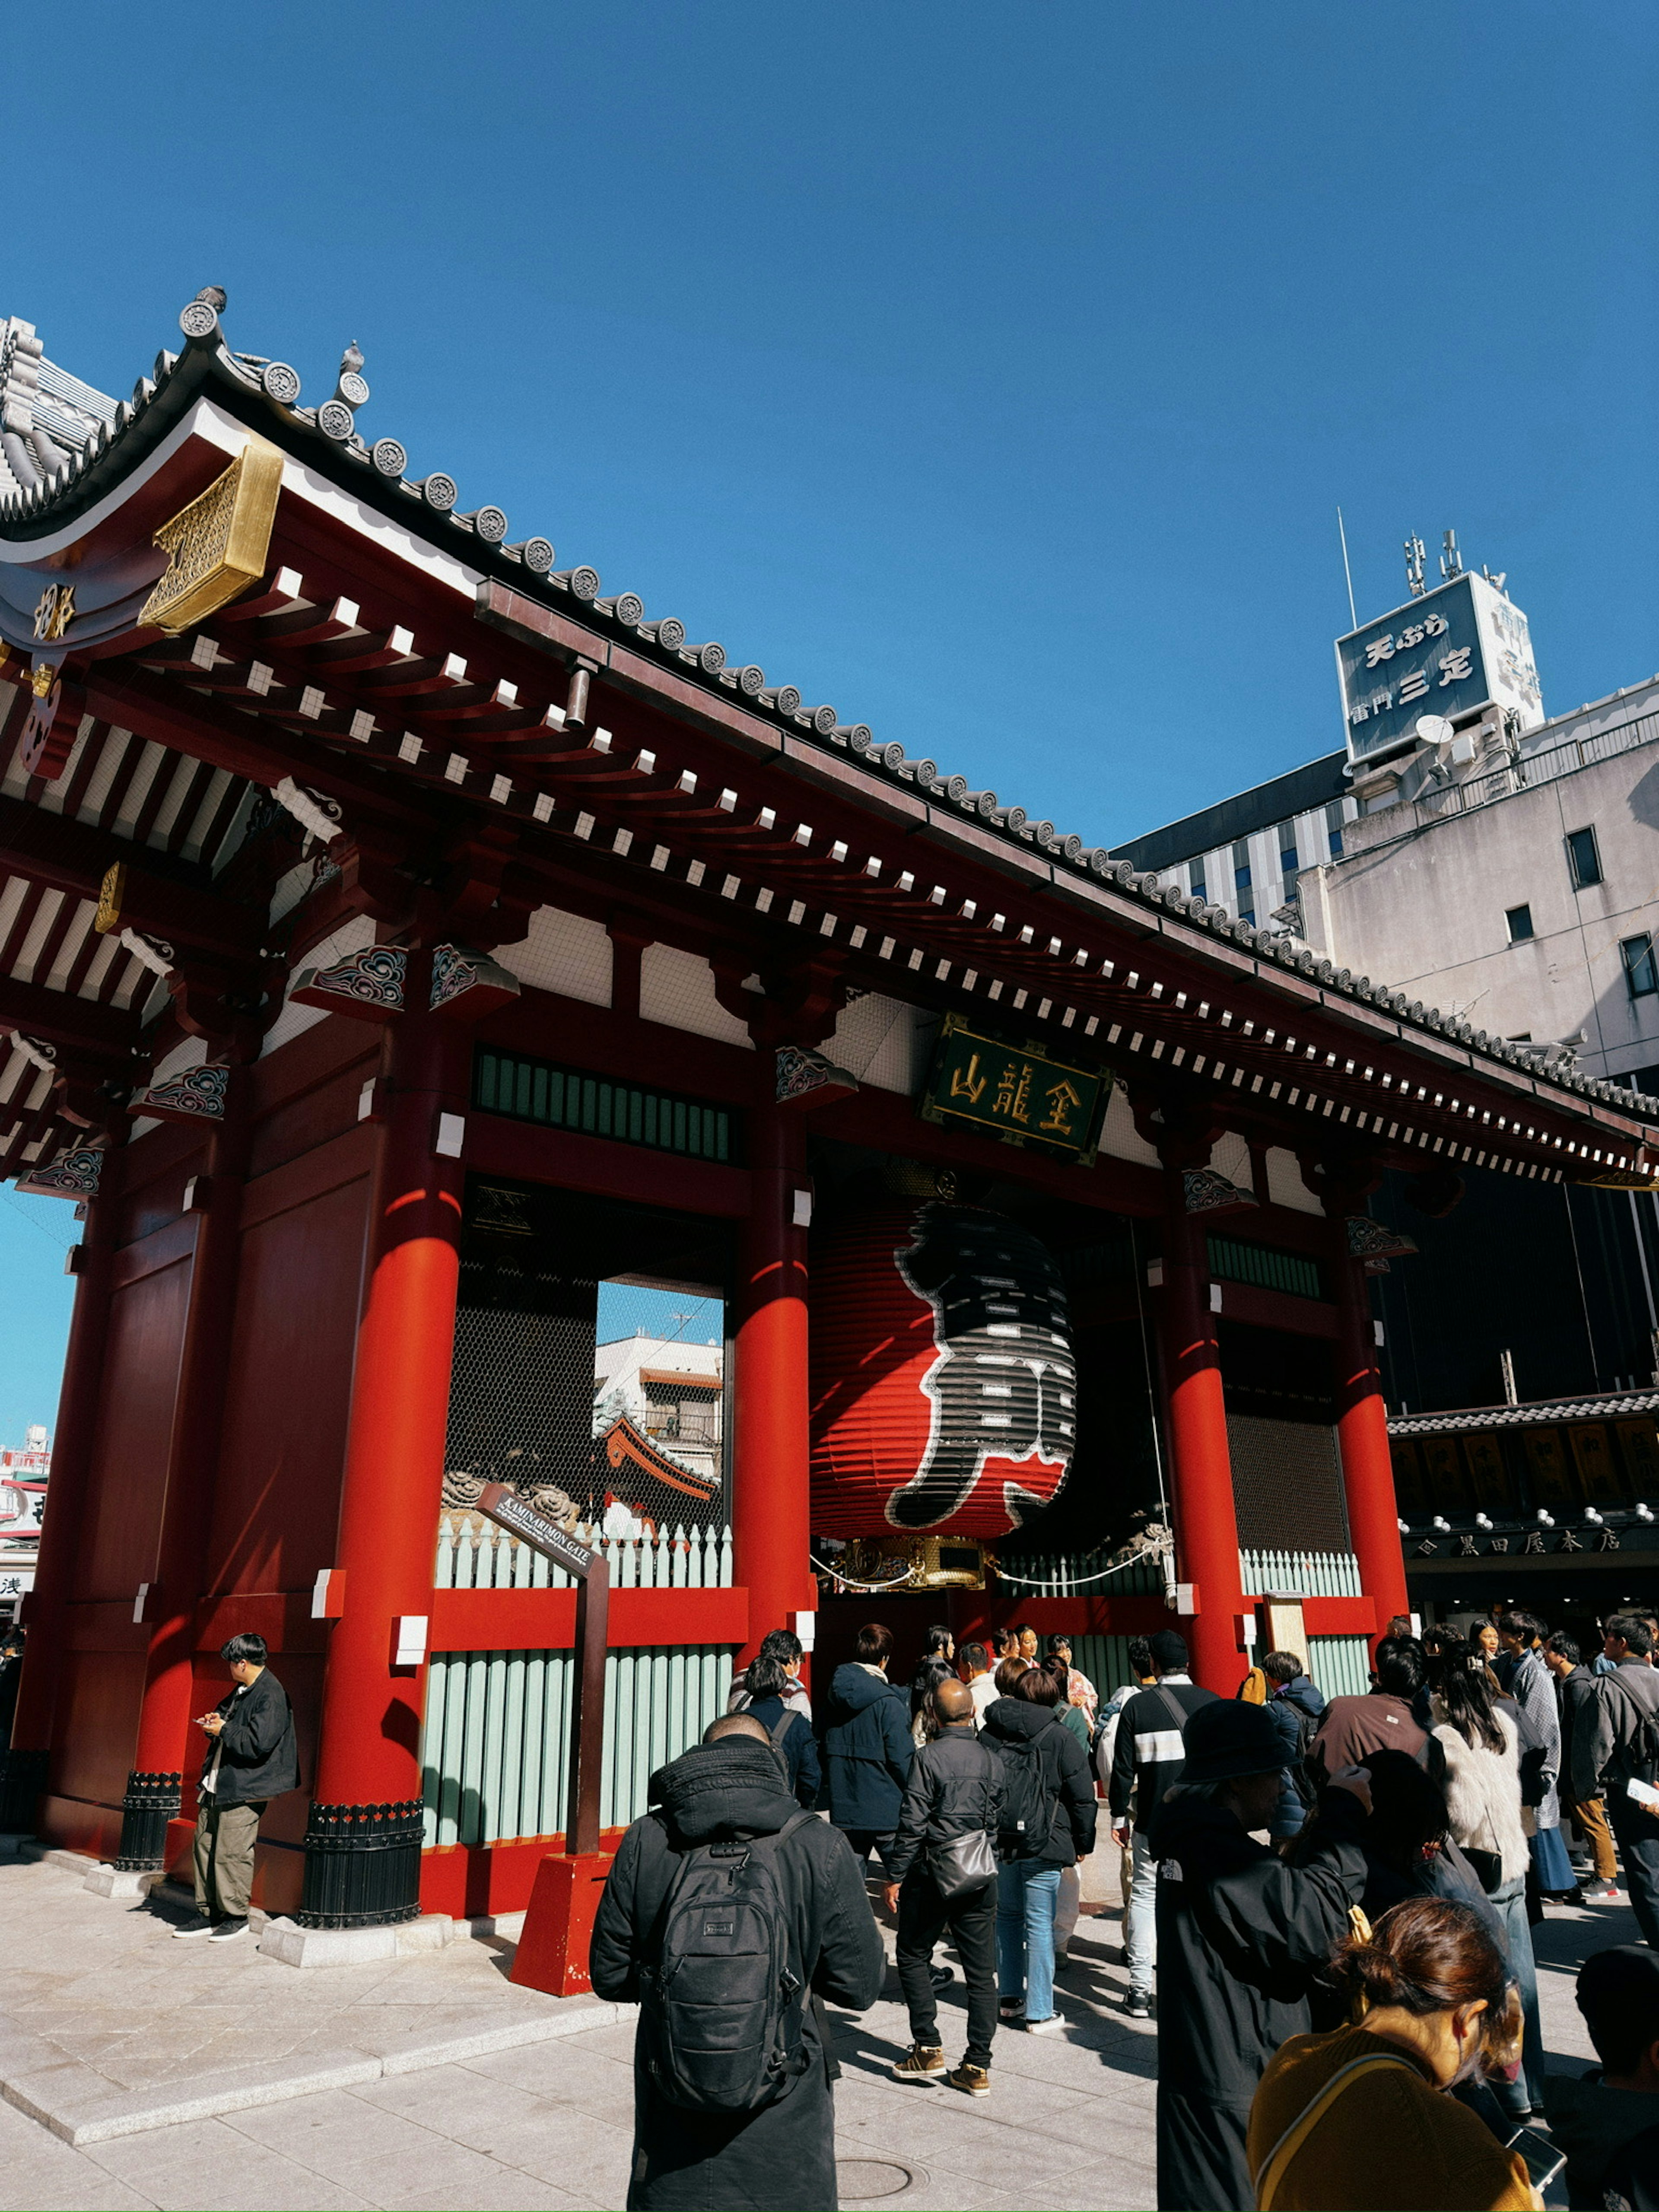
(545, 1619)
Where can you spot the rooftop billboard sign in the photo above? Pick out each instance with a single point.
(1454, 651)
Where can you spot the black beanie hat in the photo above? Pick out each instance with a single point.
(1226, 1741)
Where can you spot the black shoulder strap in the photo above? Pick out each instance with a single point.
(781, 1726)
(1178, 1711)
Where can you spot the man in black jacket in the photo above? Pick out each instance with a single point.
(1578, 1696)
(1148, 1759)
(1242, 1933)
(955, 1791)
(728, 1789)
(250, 1758)
(1624, 1747)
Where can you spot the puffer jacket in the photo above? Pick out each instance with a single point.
(784, 2155)
(1483, 1795)
(865, 1734)
(1287, 1709)
(1068, 1783)
(955, 1788)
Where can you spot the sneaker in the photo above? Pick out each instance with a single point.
(1139, 2008)
(1052, 2025)
(920, 2063)
(972, 2081)
(1011, 2012)
(227, 1931)
(942, 1975)
(1601, 1893)
(201, 1926)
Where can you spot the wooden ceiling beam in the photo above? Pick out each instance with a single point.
(69, 1023)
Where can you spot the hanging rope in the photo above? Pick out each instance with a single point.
(1077, 1582)
(847, 1582)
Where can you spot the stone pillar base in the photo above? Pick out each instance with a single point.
(291, 1945)
(122, 1882)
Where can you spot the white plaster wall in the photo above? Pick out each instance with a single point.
(1284, 1183)
(1121, 1137)
(884, 1042)
(562, 952)
(677, 989)
(293, 1021)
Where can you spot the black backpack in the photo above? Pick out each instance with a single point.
(1027, 1802)
(721, 2009)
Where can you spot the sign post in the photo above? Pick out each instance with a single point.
(552, 1952)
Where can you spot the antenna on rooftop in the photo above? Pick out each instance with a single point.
(1451, 560)
(1353, 616)
(1416, 553)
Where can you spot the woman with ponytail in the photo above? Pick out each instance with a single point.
(1359, 2118)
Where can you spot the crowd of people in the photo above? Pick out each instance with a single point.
(1327, 1906)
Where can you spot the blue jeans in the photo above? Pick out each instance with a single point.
(1509, 1901)
(1027, 1894)
(1140, 1921)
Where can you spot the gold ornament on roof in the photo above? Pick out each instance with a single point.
(216, 546)
(55, 613)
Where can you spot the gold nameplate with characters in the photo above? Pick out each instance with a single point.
(1009, 1092)
(216, 546)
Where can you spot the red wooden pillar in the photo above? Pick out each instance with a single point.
(771, 1515)
(1200, 1465)
(45, 1614)
(165, 1743)
(363, 1841)
(1362, 1435)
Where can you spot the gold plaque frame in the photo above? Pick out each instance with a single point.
(216, 546)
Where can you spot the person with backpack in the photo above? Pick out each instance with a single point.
(1627, 1751)
(867, 1747)
(1294, 1704)
(1578, 1699)
(789, 1728)
(728, 1915)
(1047, 1824)
(1151, 1748)
(942, 1874)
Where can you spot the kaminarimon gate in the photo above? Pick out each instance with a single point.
(405, 938)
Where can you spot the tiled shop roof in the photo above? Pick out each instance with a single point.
(1536, 1413)
(265, 393)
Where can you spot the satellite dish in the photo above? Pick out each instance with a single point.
(1433, 729)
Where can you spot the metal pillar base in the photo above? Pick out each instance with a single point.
(362, 1866)
(22, 1784)
(152, 1800)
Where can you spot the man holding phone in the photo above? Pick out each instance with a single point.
(252, 1758)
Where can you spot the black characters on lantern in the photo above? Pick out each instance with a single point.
(1004, 1387)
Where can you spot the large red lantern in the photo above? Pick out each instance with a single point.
(943, 1386)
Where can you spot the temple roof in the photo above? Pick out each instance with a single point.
(108, 454)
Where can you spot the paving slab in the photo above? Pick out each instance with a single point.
(543, 2124)
(113, 2028)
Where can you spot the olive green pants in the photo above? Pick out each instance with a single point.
(225, 1837)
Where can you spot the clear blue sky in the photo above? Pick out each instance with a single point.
(992, 373)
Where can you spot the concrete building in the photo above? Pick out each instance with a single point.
(1514, 884)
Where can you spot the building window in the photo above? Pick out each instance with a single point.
(1333, 827)
(1641, 970)
(1519, 918)
(1247, 914)
(1198, 890)
(1584, 861)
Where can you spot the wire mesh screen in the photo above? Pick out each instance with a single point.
(521, 1387)
(625, 1438)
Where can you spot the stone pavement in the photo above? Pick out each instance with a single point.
(1069, 2123)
